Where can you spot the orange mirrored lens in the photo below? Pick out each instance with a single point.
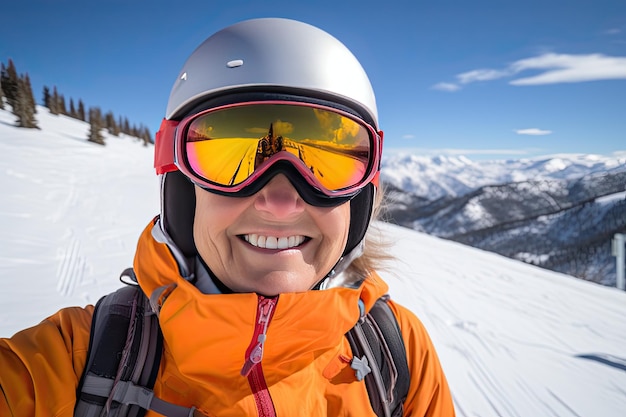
(226, 146)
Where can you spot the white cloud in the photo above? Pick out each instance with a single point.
(481, 75)
(533, 132)
(446, 87)
(408, 136)
(561, 68)
(553, 69)
(613, 31)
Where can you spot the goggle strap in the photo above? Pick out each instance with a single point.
(376, 179)
(164, 149)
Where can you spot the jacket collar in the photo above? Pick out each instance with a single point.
(206, 336)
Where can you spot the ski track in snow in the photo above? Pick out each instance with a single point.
(501, 330)
(72, 267)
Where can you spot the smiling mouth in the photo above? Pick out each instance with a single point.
(273, 242)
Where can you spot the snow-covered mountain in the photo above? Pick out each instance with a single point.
(559, 212)
(515, 340)
(452, 176)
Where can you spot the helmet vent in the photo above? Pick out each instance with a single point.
(234, 63)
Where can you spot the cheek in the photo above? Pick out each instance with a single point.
(213, 215)
(336, 225)
(203, 233)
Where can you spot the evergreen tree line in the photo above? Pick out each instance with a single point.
(19, 95)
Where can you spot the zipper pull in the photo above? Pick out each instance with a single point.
(266, 308)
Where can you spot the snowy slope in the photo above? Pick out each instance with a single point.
(71, 213)
(515, 340)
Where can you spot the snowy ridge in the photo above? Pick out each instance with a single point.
(514, 339)
(453, 176)
(559, 212)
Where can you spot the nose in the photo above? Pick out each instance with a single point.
(279, 198)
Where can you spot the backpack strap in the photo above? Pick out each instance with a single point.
(125, 349)
(380, 358)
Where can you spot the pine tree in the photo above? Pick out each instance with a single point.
(9, 81)
(62, 108)
(54, 102)
(110, 124)
(1, 96)
(46, 96)
(126, 128)
(72, 108)
(29, 93)
(146, 136)
(95, 124)
(23, 105)
(80, 113)
(133, 131)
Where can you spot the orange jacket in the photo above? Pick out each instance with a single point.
(304, 370)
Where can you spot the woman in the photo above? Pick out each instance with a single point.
(255, 267)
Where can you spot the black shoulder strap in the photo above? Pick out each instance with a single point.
(125, 338)
(380, 359)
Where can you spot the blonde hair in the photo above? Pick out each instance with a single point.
(376, 250)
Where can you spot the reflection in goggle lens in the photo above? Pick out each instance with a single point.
(226, 146)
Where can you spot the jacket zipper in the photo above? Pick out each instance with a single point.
(252, 368)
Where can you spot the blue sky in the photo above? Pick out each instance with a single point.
(486, 79)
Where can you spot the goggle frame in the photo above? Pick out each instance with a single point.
(170, 153)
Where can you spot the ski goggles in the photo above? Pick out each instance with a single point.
(227, 149)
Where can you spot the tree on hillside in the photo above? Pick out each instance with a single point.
(95, 124)
(126, 126)
(9, 81)
(19, 94)
(72, 109)
(1, 96)
(53, 102)
(110, 124)
(62, 108)
(28, 90)
(46, 96)
(80, 113)
(146, 136)
(24, 104)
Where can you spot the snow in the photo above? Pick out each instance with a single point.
(610, 198)
(440, 176)
(514, 340)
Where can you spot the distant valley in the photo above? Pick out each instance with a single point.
(558, 212)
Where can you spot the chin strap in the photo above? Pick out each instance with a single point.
(161, 236)
(339, 275)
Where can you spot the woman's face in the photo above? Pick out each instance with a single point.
(269, 243)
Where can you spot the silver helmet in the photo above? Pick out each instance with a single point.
(274, 54)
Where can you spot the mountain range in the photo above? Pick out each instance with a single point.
(559, 212)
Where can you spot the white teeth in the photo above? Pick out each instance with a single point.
(272, 242)
(252, 239)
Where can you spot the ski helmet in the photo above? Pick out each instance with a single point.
(272, 58)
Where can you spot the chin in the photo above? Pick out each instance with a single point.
(274, 284)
